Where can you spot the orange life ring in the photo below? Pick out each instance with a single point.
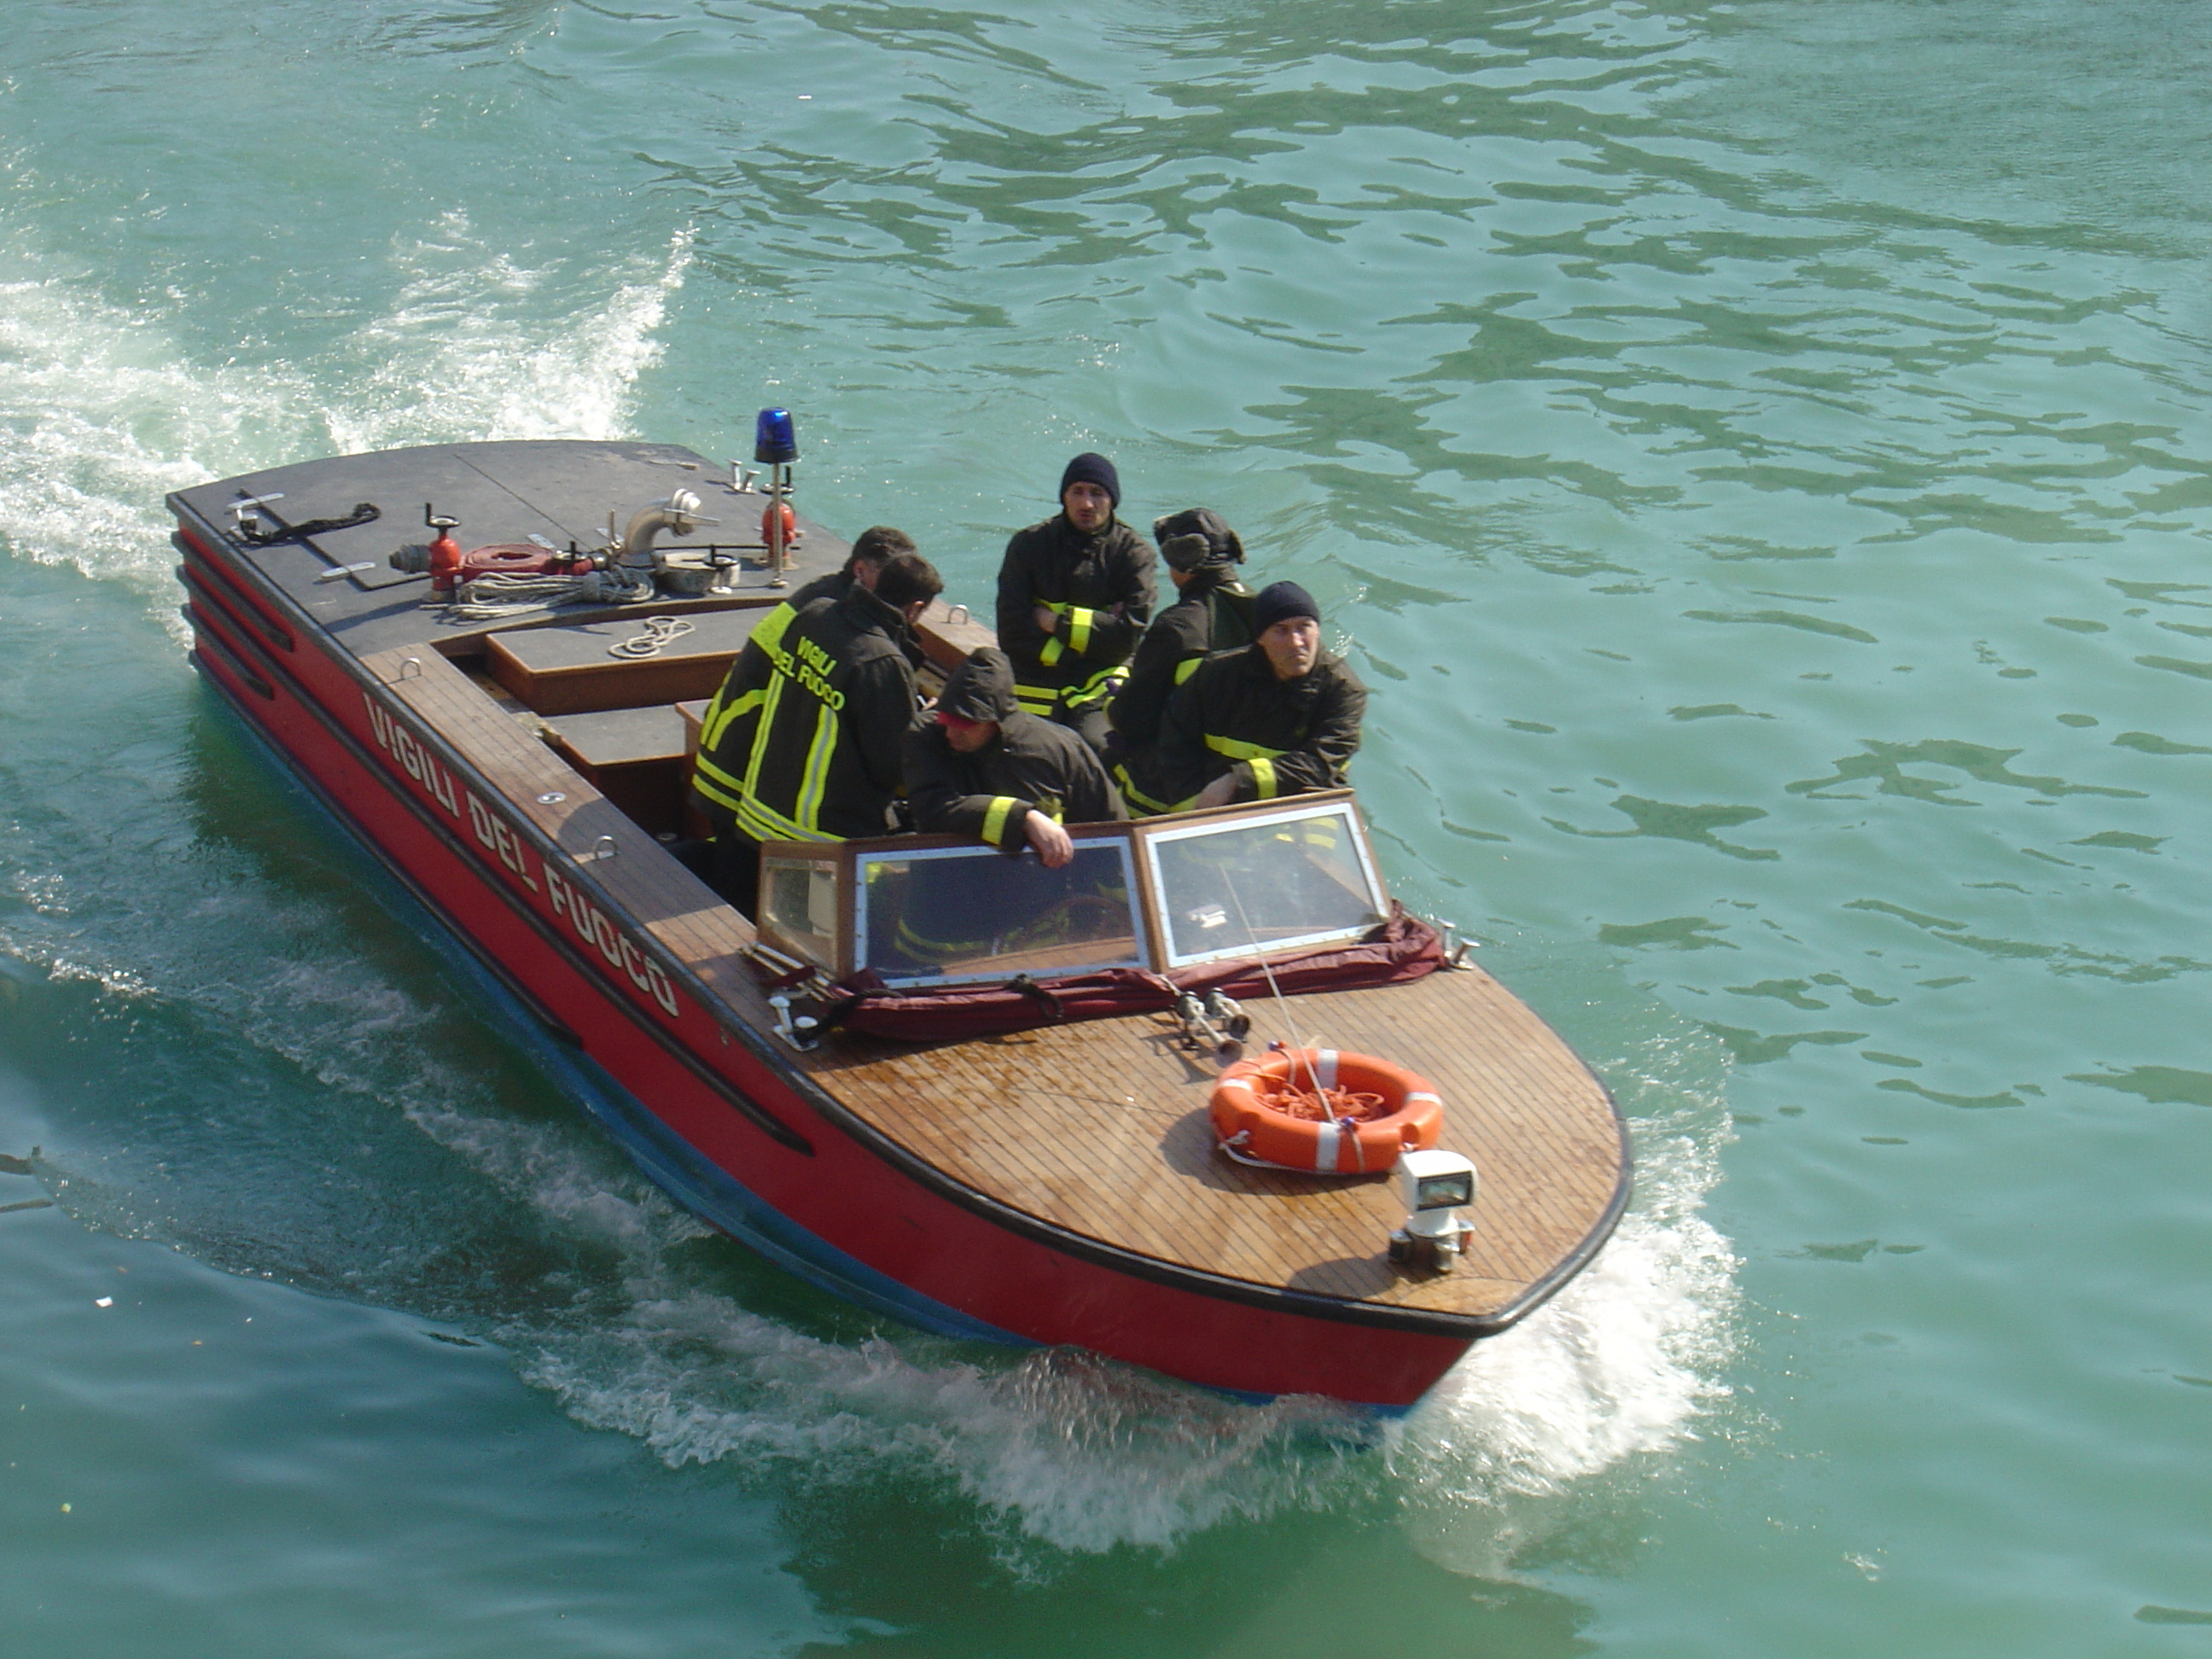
(1249, 1129)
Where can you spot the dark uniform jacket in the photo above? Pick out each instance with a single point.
(803, 743)
(1212, 615)
(1032, 764)
(1280, 738)
(715, 789)
(1082, 578)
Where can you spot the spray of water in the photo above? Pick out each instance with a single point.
(101, 412)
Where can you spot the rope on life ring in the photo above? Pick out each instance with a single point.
(1323, 1112)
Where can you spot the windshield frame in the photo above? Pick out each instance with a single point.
(1336, 804)
(1140, 868)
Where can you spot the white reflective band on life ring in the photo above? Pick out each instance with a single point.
(1325, 1068)
(1325, 1145)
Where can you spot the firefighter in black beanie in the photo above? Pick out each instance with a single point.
(1280, 717)
(1074, 594)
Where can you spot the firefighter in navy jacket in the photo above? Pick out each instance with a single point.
(718, 791)
(1280, 717)
(814, 723)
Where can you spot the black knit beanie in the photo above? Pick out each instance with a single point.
(1088, 468)
(1279, 600)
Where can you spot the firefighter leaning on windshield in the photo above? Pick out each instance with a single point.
(978, 765)
(807, 743)
(1280, 717)
(1074, 594)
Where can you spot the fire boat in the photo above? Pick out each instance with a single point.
(1206, 1100)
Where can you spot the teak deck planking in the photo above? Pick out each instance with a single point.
(1101, 1128)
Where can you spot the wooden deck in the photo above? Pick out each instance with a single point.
(1100, 1128)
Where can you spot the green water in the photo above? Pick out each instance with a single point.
(1756, 453)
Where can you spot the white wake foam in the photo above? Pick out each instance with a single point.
(1618, 1367)
(1073, 1453)
(102, 411)
(472, 349)
(101, 417)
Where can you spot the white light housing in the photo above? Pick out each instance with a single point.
(1433, 1186)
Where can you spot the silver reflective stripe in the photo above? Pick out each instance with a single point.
(1325, 1068)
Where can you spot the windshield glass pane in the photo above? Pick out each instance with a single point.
(799, 907)
(973, 913)
(1241, 889)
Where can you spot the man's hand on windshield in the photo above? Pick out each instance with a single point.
(1053, 847)
(1219, 793)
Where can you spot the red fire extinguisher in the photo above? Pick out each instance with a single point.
(444, 551)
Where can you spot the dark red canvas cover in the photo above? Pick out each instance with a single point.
(1401, 948)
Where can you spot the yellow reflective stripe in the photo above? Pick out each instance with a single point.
(1036, 699)
(716, 785)
(1139, 800)
(1238, 750)
(1078, 629)
(995, 820)
(769, 702)
(1186, 667)
(1263, 777)
(816, 778)
(769, 635)
(721, 715)
(922, 948)
(1054, 650)
(766, 823)
(1100, 685)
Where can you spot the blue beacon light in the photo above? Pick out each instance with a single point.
(775, 440)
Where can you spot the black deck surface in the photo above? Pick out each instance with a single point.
(560, 489)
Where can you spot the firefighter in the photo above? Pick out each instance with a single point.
(715, 790)
(1280, 717)
(1213, 611)
(814, 728)
(980, 765)
(1074, 594)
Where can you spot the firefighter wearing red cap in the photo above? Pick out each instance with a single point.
(1074, 594)
(979, 765)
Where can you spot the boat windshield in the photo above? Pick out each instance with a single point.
(1242, 887)
(927, 916)
(1161, 893)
